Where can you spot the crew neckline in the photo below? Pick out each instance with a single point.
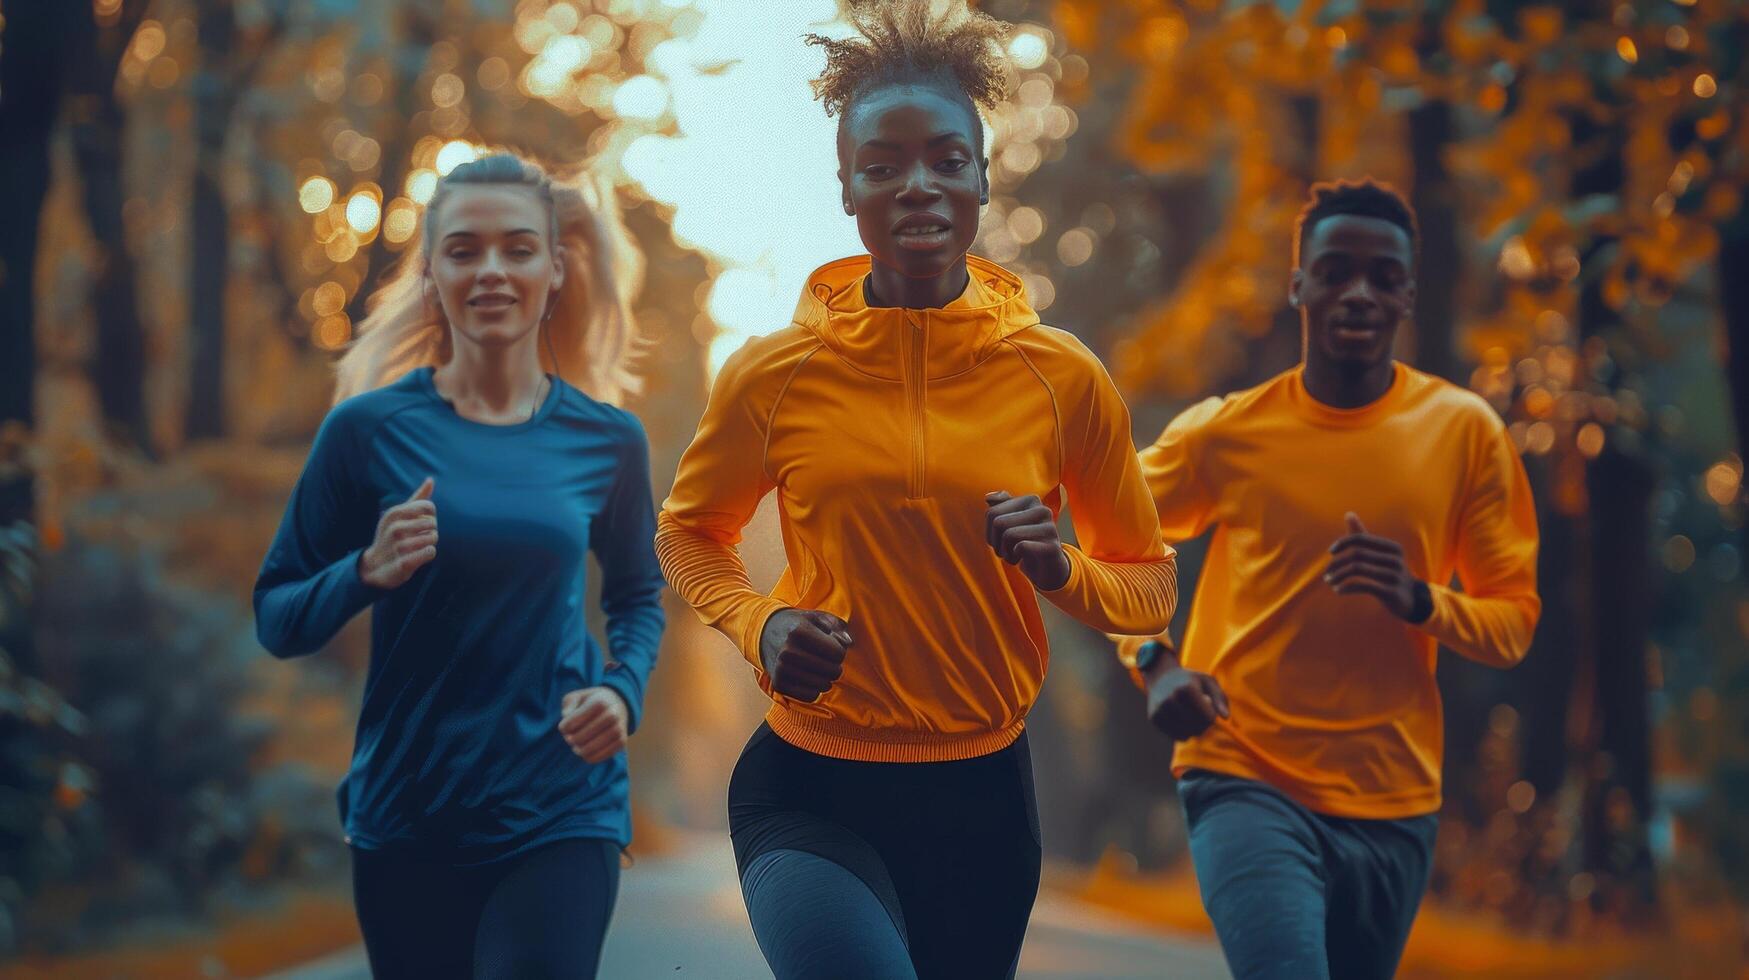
(1319, 413)
(548, 403)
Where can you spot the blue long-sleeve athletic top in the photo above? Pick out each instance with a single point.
(457, 749)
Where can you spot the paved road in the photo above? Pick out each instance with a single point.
(680, 916)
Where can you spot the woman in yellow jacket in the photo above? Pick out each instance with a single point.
(922, 430)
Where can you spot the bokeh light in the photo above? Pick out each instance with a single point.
(1724, 481)
(164, 73)
(563, 17)
(1040, 291)
(367, 89)
(1028, 48)
(148, 40)
(454, 154)
(402, 221)
(1520, 796)
(332, 332)
(1678, 553)
(341, 248)
(422, 183)
(363, 211)
(641, 97)
(1075, 247)
(316, 195)
(1026, 224)
(447, 90)
(559, 59)
(1516, 260)
(1539, 438)
(494, 73)
(328, 299)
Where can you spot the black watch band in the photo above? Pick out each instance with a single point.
(1422, 608)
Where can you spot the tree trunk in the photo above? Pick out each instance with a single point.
(1283, 346)
(1186, 204)
(1619, 484)
(418, 34)
(38, 39)
(210, 229)
(1434, 199)
(1546, 682)
(1734, 305)
(1616, 840)
(118, 365)
(24, 172)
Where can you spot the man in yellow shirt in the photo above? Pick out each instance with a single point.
(1344, 495)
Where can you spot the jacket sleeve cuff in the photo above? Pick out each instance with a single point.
(755, 629)
(1077, 564)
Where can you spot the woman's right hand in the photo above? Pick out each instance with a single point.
(803, 651)
(406, 540)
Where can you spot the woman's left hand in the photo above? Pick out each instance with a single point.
(594, 723)
(1023, 531)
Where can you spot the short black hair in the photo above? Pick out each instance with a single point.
(1366, 198)
(910, 42)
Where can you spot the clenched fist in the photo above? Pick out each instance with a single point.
(595, 723)
(803, 651)
(1182, 702)
(1023, 531)
(406, 541)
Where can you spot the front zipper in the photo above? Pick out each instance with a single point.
(914, 400)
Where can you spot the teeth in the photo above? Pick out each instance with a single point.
(924, 230)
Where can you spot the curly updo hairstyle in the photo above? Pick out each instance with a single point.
(941, 43)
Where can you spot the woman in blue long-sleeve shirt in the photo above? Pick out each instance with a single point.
(455, 490)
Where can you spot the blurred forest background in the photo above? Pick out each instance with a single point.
(198, 195)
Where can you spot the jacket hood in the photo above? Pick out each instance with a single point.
(882, 341)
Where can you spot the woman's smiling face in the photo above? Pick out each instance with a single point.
(492, 265)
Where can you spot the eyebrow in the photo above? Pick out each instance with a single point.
(1342, 253)
(474, 234)
(933, 140)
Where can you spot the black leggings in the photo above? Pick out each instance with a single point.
(540, 914)
(885, 870)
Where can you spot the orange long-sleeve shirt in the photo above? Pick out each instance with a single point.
(881, 431)
(1333, 698)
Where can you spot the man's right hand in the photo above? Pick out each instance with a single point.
(803, 651)
(1183, 703)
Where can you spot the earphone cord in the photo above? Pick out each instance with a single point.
(553, 355)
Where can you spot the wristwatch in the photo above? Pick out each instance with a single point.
(1422, 608)
(1148, 653)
